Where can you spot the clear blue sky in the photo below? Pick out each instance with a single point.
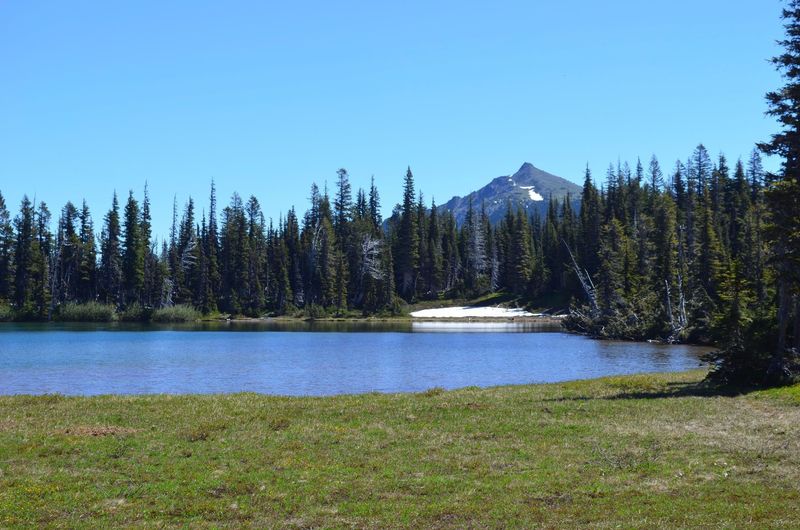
(267, 97)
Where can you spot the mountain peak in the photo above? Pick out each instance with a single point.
(528, 188)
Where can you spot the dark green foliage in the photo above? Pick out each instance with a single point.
(110, 280)
(133, 251)
(652, 265)
(32, 256)
(406, 250)
(782, 197)
(6, 253)
(743, 357)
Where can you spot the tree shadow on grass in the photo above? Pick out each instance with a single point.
(669, 390)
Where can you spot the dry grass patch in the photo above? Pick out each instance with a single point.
(101, 430)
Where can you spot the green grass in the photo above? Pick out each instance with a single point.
(176, 313)
(87, 312)
(651, 451)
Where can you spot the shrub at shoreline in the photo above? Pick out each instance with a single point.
(87, 312)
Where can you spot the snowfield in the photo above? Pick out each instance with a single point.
(473, 312)
(532, 194)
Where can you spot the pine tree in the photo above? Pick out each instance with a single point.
(291, 234)
(425, 266)
(609, 277)
(664, 274)
(253, 302)
(656, 176)
(25, 248)
(589, 225)
(451, 257)
(783, 195)
(551, 248)
(87, 277)
(736, 362)
(434, 259)
(520, 254)
(6, 253)
(341, 277)
(375, 206)
(43, 260)
(132, 253)
(64, 283)
(234, 254)
(342, 205)
(755, 174)
(407, 247)
(212, 252)
(150, 286)
(708, 251)
(110, 280)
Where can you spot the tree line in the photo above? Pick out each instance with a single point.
(639, 244)
(339, 256)
(643, 255)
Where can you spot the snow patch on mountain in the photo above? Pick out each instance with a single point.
(532, 194)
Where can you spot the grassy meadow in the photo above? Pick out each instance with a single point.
(632, 452)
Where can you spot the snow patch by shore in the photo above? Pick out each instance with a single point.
(472, 312)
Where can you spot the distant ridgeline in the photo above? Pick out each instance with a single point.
(642, 256)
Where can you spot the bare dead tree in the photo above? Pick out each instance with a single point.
(585, 281)
(188, 258)
(675, 327)
(682, 320)
(370, 252)
(494, 264)
(167, 288)
(371, 249)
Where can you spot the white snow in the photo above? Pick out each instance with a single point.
(472, 312)
(532, 194)
(465, 326)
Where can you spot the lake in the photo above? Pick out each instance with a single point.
(317, 359)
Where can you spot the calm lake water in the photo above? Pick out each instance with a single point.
(310, 359)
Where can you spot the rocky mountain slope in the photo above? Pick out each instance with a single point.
(529, 187)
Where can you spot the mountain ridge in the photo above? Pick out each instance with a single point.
(529, 188)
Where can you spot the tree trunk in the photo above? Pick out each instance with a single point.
(777, 370)
(796, 330)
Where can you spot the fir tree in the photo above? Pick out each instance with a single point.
(6, 253)
(406, 255)
(110, 279)
(132, 253)
(375, 206)
(783, 196)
